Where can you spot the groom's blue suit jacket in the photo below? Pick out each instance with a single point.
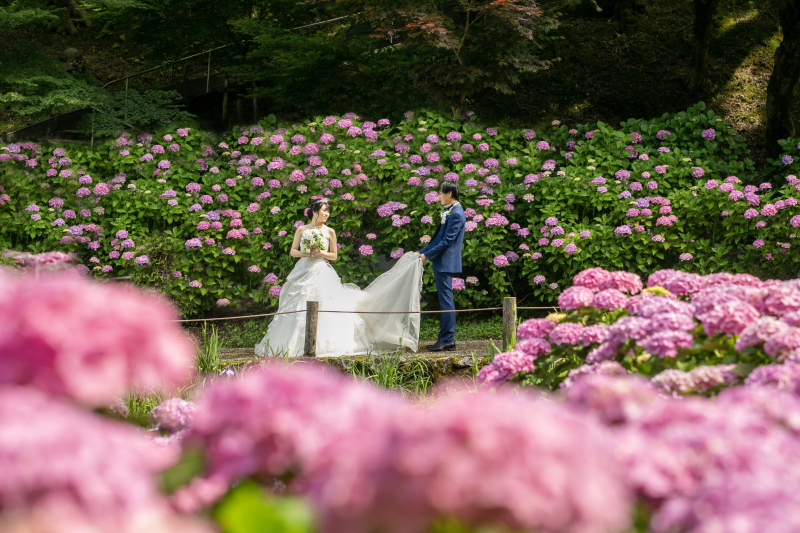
(444, 250)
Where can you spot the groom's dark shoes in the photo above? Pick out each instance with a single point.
(440, 347)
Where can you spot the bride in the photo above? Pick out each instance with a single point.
(354, 333)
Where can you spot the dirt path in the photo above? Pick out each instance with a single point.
(463, 349)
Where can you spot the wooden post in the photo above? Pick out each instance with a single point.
(509, 321)
(312, 314)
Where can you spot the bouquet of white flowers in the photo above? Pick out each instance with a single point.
(312, 238)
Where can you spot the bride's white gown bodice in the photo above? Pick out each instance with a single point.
(347, 333)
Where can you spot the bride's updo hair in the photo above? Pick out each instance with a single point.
(316, 205)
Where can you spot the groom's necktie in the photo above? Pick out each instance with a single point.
(447, 210)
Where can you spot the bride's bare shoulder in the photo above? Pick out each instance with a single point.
(330, 232)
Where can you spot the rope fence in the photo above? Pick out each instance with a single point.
(362, 313)
(312, 316)
(238, 317)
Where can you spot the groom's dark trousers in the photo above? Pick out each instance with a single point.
(444, 289)
(444, 253)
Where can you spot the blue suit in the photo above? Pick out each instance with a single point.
(444, 253)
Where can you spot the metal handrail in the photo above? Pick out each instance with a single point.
(325, 21)
(219, 48)
(208, 71)
(170, 63)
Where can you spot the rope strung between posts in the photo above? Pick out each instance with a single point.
(412, 312)
(238, 317)
(362, 313)
(428, 312)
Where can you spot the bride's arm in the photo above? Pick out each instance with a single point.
(332, 254)
(295, 251)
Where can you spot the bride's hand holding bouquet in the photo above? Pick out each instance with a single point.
(312, 239)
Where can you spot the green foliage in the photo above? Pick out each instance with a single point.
(24, 12)
(468, 328)
(190, 465)
(33, 84)
(130, 110)
(243, 332)
(490, 44)
(328, 67)
(140, 406)
(249, 509)
(207, 359)
(397, 55)
(707, 223)
(393, 371)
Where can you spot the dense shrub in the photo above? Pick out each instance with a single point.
(206, 219)
(304, 448)
(689, 333)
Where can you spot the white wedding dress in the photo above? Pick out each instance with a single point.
(341, 334)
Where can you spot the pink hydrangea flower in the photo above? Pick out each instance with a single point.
(594, 334)
(592, 278)
(175, 414)
(730, 317)
(622, 281)
(46, 317)
(666, 343)
(535, 328)
(575, 297)
(504, 367)
(566, 333)
(121, 484)
(500, 261)
(609, 299)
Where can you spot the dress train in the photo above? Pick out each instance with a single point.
(355, 333)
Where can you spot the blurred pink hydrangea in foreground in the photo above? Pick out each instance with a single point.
(67, 470)
(471, 457)
(71, 337)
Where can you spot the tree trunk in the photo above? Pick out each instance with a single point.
(73, 12)
(704, 11)
(255, 104)
(623, 12)
(225, 104)
(785, 76)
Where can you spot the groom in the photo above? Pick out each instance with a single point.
(444, 252)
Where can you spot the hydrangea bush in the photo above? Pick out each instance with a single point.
(306, 448)
(210, 220)
(689, 333)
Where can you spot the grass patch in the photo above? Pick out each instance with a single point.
(470, 328)
(466, 328)
(391, 371)
(207, 358)
(235, 333)
(140, 406)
